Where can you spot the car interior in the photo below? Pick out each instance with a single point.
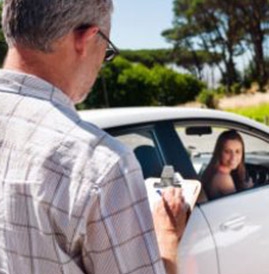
(188, 148)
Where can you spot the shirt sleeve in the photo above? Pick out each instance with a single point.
(119, 236)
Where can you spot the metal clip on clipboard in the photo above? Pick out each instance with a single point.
(168, 178)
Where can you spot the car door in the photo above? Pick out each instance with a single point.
(197, 250)
(223, 236)
(240, 228)
(238, 223)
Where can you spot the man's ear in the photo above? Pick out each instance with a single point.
(82, 37)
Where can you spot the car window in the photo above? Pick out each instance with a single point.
(200, 144)
(136, 138)
(144, 145)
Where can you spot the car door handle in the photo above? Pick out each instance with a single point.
(233, 224)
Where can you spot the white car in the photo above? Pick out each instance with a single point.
(228, 235)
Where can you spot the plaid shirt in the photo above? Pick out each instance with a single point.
(72, 197)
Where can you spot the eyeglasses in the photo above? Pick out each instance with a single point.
(111, 51)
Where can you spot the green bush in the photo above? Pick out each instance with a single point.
(136, 87)
(174, 88)
(236, 88)
(209, 98)
(122, 83)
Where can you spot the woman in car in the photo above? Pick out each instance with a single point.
(226, 172)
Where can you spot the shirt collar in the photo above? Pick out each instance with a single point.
(31, 85)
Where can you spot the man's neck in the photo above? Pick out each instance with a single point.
(42, 65)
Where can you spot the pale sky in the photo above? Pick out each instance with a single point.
(137, 24)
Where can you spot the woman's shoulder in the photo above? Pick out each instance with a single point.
(222, 184)
(221, 174)
(222, 177)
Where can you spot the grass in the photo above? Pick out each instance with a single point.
(259, 113)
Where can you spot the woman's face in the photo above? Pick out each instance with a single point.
(232, 154)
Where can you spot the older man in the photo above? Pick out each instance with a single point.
(72, 197)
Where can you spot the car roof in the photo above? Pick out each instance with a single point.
(115, 117)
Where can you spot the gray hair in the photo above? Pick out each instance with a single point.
(36, 24)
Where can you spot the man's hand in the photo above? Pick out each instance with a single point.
(170, 217)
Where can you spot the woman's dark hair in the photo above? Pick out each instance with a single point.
(239, 174)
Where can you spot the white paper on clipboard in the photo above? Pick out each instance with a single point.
(190, 190)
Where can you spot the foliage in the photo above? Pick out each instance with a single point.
(122, 83)
(209, 98)
(182, 57)
(148, 57)
(106, 88)
(254, 18)
(236, 89)
(136, 87)
(3, 45)
(222, 28)
(258, 113)
(205, 25)
(194, 60)
(175, 88)
(250, 74)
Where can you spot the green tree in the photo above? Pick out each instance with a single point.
(148, 57)
(3, 45)
(209, 26)
(253, 15)
(174, 88)
(222, 28)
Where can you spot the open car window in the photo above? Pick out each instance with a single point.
(199, 141)
(156, 145)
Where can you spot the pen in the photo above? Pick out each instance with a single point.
(167, 209)
(159, 192)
